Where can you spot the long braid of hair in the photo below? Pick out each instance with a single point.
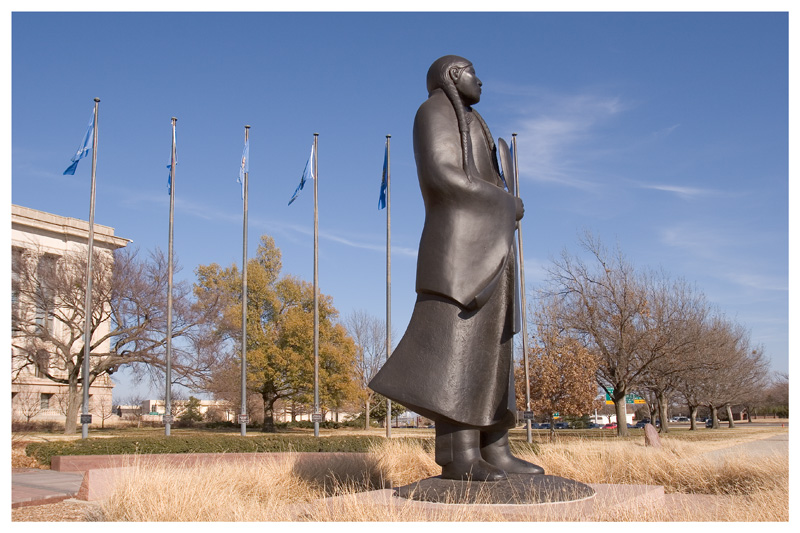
(463, 128)
(489, 139)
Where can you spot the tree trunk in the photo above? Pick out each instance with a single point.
(692, 418)
(74, 403)
(714, 419)
(366, 415)
(621, 410)
(663, 402)
(552, 428)
(269, 416)
(730, 416)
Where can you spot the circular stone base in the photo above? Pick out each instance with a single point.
(516, 489)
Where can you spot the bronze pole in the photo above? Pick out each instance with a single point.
(522, 297)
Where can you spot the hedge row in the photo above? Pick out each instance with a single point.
(44, 451)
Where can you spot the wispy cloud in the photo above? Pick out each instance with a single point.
(687, 193)
(333, 237)
(757, 281)
(723, 255)
(182, 205)
(700, 242)
(557, 129)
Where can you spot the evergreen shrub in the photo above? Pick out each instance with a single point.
(44, 451)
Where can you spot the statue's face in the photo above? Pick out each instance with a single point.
(468, 84)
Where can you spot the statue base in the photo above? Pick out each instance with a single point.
(516, 489)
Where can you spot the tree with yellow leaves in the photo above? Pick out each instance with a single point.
(562, 370)
(280, 332)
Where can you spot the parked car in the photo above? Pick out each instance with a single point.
(612, 425)
(641, 424)
(592, 425)
(545, 425)
(709, 423)
(562, 425)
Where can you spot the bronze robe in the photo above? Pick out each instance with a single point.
(454, 362)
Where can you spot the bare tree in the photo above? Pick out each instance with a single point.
(28, 404)
(136, 414)
(744, 376)
(697, 386)
(676, 313)
(104, 407)
(731, 370)
(127, 320)
(775, 398)
(369, 334)
(605, 305)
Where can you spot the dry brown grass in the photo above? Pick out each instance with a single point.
(730, 488)
(680, 467)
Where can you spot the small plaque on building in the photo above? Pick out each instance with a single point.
(86, 419)
(527, 415)
(167, 419)
(316, 417)
(244, 419)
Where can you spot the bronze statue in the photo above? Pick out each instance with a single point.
(454, 363)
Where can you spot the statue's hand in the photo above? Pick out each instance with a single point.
(520, 208)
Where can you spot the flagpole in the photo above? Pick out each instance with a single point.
(316, 291)
(86, 418)
(388, 276)
(243, 410)
(168, 396)
(522, 298)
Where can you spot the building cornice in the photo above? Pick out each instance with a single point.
(65, 227)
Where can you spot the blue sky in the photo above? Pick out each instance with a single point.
(664, 132)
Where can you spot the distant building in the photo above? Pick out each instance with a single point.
(154, 410)
(47, 237)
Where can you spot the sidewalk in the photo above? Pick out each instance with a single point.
(31, 486)
(775, 444)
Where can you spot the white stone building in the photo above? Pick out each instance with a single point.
(49, 237)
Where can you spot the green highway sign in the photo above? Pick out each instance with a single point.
(629, 398)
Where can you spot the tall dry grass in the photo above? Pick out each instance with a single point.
(729, 488)
(678, 466)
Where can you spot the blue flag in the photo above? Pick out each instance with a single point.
(83, 149)
(245, 166)
(384, 182)
(307, 172)
(169, 167)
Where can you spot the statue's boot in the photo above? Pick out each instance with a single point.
(496, 451)
(458, 453)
